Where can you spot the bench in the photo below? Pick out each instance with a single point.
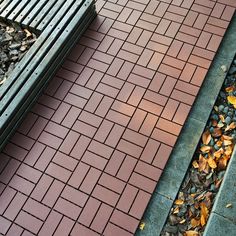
(59, 23)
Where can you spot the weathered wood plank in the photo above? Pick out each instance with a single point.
(30, 16)
(38, 18)
(16, 11)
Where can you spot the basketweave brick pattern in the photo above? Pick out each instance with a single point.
(87, 158)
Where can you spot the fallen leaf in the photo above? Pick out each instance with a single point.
(229, 205)
(182, 221)
(195, 222)
(227, 137)
(204, 214)
(228, 150)
(231, 126)
(232, 100)
(230, 89)
(28, 34)
(217, 132)
(205, 149)
(206, 137)
(227, 142)
(218, 153)
(176, 210)
(202, 163)
(195, 164)
(179, 202)
(191, 233)
(222, 118)
(142, 226)
(211, 162)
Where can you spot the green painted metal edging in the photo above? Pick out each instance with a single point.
(176, 168)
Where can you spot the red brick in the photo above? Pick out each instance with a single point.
(115, 135)
(67, 208)
(201, 9)
(28, 172)
(139, 80)
(50, 224)
(174, 48)
(155, 97)
(84, 128)
(45, 159)
(114, 163)
(162, 156)
(150, 151)
(56, 130)
(228, 13)
(140, 204)
(104, 106)
(169, 126)
(214, 43)
(90, 118)
(15, 151)
(42, 187)
(22, 141)
(27, 124)
(89, 211)
(6, 198)
(188, 72)
(65, 161)
(94, 160)
(29, 222)
(181, 114)
(101, 218)
(201, 21)
(218, 10)
(190, 18)
(60, 113)
(168, 86)
(75, 196)
(198, 76)
(161, 9)
(126, 168)
(187, 88)
(164, 137)
(36, 209)
(64, 227)
(58, 172)
(127, 222)
(103, 131)
(185, 52)
(148, 170)
(170, 109)
(169, 70)
(124, 15)
(21, 185)
(129, 148)
(182, 97)
(14, 230)
(82, 231)
(71, 117)
(78, 175)
(114, 230)
(69, 142)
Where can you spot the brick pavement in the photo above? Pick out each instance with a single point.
(87, 158)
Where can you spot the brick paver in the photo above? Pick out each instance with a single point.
(87, 158)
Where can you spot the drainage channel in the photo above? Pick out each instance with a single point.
(166, 193)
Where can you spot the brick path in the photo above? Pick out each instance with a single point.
(88, 156)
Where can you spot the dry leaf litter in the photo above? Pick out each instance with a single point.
(14, 43)
(191, 209)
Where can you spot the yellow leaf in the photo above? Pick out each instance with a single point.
(231, 126)
(212, 163)
(222, 118)
(229, 205)
(142, 226)
(182, 221)
(176, 210)
(191, 233)
(232, 100)
(204, 214)
(206, 137)
(195, 222)
(205, 149)
(179, 202)
(228, 150)
(227, 142)
(202, 163)
(218, 153)
(195, 164)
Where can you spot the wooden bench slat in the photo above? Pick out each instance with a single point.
(26, 10)
(60, 4)
(3, 5)
(68, 33)
(37, 8)
(9, 8)
(37, 19)
(40, 47)
(16, 11)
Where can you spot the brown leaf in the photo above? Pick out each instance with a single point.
(179, 202)
(222, 118)
(204, 214)
(231, 126)
(202, 163)
(176, 210)
(218, 153)
(228, 150)
(226, 137)
(211, 162)
(195, 164)
(217, 132)
(227, 142)
(191, 233)
(206, 137)
(205, 149)
(230, 89)
(195, 222)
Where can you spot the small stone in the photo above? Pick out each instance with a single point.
(224, 68)
(221, 108)
(225, 110)
(227, 120)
